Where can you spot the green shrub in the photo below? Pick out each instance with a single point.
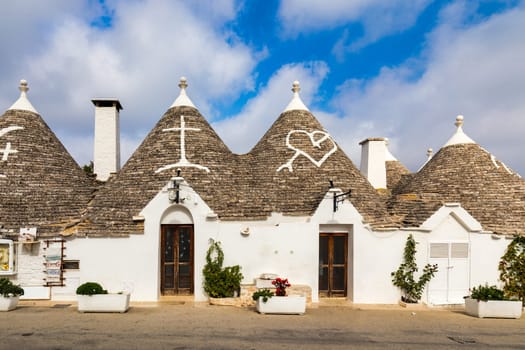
(487, 292)
(220, 282)
(404, 276)
(264, 293)
(8, 289)
(91, 288)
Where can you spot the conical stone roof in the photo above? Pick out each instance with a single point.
(287, 172)
(464, 173)
(294, 162)
(41, 185)
(395, 170)
(205, 162)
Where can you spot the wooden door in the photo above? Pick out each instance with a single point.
(176, 259)
(333, 264)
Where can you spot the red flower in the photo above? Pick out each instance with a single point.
(280, 286)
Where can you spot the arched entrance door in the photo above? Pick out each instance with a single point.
(176, 259)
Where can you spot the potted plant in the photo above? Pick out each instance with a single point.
(222, 284)
(93, 298)
(268, 303)
(403, 277)
(489, 301)
(9, 294)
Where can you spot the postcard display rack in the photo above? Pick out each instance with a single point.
(54, 262)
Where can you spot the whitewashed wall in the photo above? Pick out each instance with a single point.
(377, 254)
(486, 252)
(287, 246)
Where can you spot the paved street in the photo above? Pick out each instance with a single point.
(187, 326)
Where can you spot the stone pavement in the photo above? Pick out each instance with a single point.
(187, 325)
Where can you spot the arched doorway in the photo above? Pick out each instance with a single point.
(176, 252)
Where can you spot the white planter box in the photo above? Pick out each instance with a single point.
(103, 303)
(493, 308)
(293, 304)
(8, 303)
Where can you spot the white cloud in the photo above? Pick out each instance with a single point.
(241, 132)
(139, 60)
(378, 18)
(477, 71)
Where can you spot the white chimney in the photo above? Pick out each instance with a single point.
(106, 157)
(373, 161)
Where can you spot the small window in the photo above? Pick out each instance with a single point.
(439, 250)
(459, 250)
(7, 266)
(71, 265)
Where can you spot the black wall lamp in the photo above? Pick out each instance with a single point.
(174, 187)
(339, 198)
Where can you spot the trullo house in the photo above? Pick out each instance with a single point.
(295, 206)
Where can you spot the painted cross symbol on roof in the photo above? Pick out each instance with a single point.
(8, 150)
(183, 162)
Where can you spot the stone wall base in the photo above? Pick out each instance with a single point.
(247, 290)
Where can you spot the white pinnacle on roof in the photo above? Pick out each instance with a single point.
(296, 102)
(23, 103)
(459, 137)
(430, 154)
(183, 99)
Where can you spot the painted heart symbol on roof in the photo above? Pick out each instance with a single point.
(318, 139)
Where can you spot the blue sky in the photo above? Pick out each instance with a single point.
(401, 69)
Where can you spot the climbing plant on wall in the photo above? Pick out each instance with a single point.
(404, 278)
(512, 269)
(220, 282)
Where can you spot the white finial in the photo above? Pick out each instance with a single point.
(23, 86)
(182, 99)
(23, 102)
(459, 121)
(296, 87)
(183, 84)
(296, 102)
(459, 137)
(430, 153)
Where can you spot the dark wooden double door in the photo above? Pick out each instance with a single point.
(333, 261)
(176, 259)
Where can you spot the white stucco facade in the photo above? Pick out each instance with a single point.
(286, 246)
